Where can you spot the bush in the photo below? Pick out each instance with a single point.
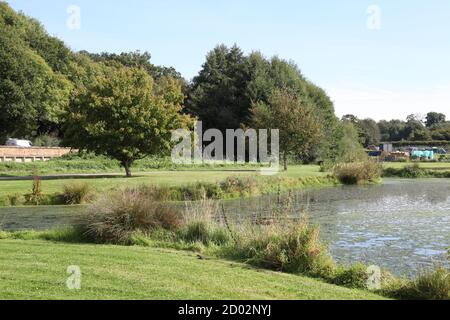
(36, 195)
(46, 141)
(358, 172)
(410, 171)
(114, 218)
(77, 193)
(239, 186)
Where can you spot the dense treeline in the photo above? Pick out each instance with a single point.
(430, 130)
(48, 90)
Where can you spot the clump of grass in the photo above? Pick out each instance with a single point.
(199, 224)
(294, 248)
(77, 193)
(428, 285)
(114, 218)
(353, 277)
(358, 172)
(16, 200)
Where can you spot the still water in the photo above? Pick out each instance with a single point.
(403, 225)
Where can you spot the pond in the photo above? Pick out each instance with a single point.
(403, 225)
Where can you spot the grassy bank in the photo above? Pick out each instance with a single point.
(37, 270)
(85, 164)
(417, 170)
(172, 186)
(274, 240)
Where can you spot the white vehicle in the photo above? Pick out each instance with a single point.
(18, 143)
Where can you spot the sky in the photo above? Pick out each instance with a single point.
(380, 59)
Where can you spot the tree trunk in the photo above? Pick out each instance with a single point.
(127, 166)
(285, 161)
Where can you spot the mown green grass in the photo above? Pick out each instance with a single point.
(167, 178)
(425, 165)
(37, 270)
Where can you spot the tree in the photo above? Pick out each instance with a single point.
(348, 147)
(300, 126)
(32, 96)
(415, 130)
(369, 132)
(218, 94)
(125, 115)
(136, 59)
(434, 118)
(230, 82)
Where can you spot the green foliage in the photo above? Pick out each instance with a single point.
(33, 94)
(434, 118)
(123, 114)
(230, 84)
(46, 140)
(136, 59)
(358, 172)
(346, 147)
(415, 171)
(354, 277)
(300, 127)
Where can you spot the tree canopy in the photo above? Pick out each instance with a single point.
(299, 126)
(124, 114)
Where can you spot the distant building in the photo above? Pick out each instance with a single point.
(387, 147)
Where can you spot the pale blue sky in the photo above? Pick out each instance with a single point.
(400, 69)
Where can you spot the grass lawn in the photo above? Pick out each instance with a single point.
(425, 165)
(37, 270)
(170, 178)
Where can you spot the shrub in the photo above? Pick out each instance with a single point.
(77, 193)
(413, 171)
(36, 191)
(410, 171)
(239, 186)
(358, 172)
(114, 218)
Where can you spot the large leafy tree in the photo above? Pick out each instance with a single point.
(124, 114)
(434, 118)
(230, 82)
(369, 132)
(32, 95)
(218, 94)
(300, 126)
(136, 59)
